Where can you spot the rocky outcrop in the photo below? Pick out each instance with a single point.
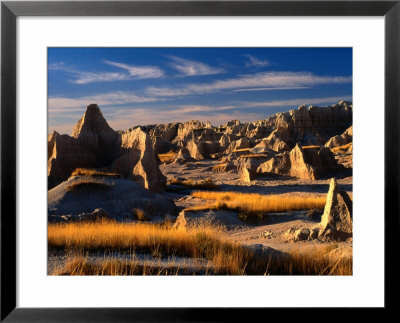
(223, 167)
(279, 165)
(337, 219)
(183, 156)
(298, 166)
(247, 175)
(137, 161)
(336, 222)
(274, 142)
(242, 143)
(301, 234)
(309, 126)
(51, 140)
(67, 155)
(280, 132)
(194, 150)
(116, 202)
(187, 131)
(310, 163)
(94, 144)
(344, 139)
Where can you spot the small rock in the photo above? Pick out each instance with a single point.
(267, 234)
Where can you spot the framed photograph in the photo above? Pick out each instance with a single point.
(197, 152)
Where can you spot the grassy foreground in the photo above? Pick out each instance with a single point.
(223, 256)
(254, 204)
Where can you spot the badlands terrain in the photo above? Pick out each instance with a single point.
(272, 196)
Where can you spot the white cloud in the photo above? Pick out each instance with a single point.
(139, 72)
(129, 72)
(187, 109)
(254, 61)
(58, 66)
(112, 98)
(272, 88)
(193, 68)
(89, 77)
(269, 79)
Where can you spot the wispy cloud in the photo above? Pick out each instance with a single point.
(139, 72)
(187, 109)
(129, 72)
(193, 68)
(104, 99)
(272, 88)
(273, 80)
(254, 61)
(91, 77)
(58, 66)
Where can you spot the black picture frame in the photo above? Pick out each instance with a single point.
(10, 10)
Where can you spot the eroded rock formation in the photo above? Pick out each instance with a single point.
(94, 144)
(337, 219)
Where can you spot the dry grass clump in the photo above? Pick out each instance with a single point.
(93, 173)
(139, 214)
(88, 182)
(341, 149)
(167, 157)
(192, 184)
(219, 167)
(223, 257)
(254, 156)
(312, 262)
(80, 265)
(241, 150)
(311, 147)
(251, 204)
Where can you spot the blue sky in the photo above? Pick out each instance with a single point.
(138, 86)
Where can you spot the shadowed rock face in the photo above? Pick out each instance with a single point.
(119, 201)
(94, 144)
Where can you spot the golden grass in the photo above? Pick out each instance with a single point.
(90, 183)
(257, 204)
(167, 157)
(200, 242)
(254, 156)
(219, 167)
(79, 265)
(224, 257)
(192, 184)
(311, 147)
(341, 149)
(139, 214)
(93, 173)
